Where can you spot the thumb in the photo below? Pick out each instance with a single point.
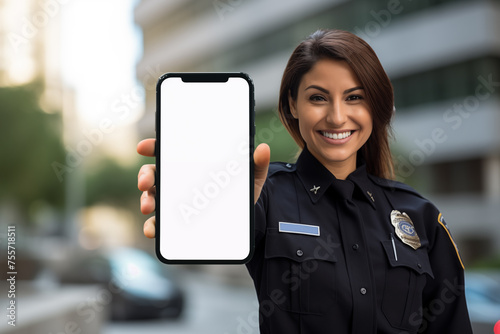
(261, 158)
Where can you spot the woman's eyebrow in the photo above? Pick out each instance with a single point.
(326, 91)
(347, 91)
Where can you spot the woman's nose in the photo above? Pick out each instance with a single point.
(337, 114)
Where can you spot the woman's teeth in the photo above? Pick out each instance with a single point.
(341, 135)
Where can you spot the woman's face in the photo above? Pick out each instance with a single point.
(333, 114)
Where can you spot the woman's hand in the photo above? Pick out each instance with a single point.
(146, 183)
(146, 179)
(261, 158)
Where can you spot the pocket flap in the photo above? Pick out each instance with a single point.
(418, 260)
(300, 247)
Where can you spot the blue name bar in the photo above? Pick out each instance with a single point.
(298, 228)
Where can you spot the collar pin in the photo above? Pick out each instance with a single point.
(315, 189)
(371, 196)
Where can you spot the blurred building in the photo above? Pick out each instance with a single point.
(29, 48)
(18, 63)
(442, 56)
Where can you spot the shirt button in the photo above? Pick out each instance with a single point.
(363, 291)
(300, 252)
(419, 266)
(355, 246)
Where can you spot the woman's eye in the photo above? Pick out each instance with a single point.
(317, 98)
(354, 97)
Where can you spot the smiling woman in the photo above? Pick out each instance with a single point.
(359, 72)
(335, 120)
(339, 246)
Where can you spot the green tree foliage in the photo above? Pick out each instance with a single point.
(114, 184)
(31, 141)
(269, 130)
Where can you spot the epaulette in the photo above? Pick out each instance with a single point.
(277, 167)
(394, 185)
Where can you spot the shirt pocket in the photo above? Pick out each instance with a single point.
(404, 284)
(300, 271)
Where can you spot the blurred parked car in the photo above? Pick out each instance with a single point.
(482, 290)
(140, 286)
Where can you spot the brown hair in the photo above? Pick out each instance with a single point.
(343, 45)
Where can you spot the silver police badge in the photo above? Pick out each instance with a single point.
(405, 229)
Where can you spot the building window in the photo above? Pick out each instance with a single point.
(457, 177)
(445, 83)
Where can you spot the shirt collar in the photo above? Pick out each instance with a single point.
(316, 179)
(360, 178)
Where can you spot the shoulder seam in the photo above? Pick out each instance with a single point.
(391, 184)
(277, 167)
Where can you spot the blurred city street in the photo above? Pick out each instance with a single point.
(212, 307)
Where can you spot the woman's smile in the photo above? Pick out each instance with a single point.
(336, 137)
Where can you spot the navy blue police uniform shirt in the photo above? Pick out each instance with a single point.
(328, 258)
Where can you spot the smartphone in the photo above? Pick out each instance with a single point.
(204, 159)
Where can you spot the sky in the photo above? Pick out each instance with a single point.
(100, 47)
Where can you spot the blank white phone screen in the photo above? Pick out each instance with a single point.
(204, 170)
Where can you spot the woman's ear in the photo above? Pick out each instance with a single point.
(293, 106)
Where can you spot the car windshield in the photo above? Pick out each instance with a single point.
(139, 273)
(133, 261)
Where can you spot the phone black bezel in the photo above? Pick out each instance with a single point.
(204, 77)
